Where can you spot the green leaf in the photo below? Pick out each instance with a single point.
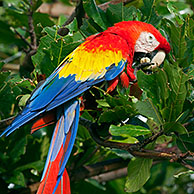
(102, 103)
(96, 184)
(19, 148)
(167, 90)
(61, 20)
(26, 85)
(7, 36)
(1, 64)
(43, 19)
(8, 93)
(17, 19)
(178, 41)
(17, 178)
(117, 13)
(23, 100)
(118, 101)
(128, 130)
(88, 28)
(175, 127)
(3, 77)
(36, 4)
(138, 174)
(44, 147)
(87, 116)
(86, 155)
(95, 13)
(60, 49)
(149, 13)
(189, 53)
(122, 153)
(155, 85)
(51, 33)
(38, 165)
(73, 26)
(124, 139)
(42, 59)
(173, 10)
(83, 133)
(66, 2)
(17, 5)
(185, 142)
(116, 114)
(148, 109)
(190, 28)
(178, 91)
(126, 133)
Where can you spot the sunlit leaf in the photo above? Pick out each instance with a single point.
(128, 130)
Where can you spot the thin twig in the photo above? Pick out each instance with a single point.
(5, 122)
(187, 165)
(23, 38)
(31, 27)
(151, 139)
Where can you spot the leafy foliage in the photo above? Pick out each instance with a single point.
(165, 104)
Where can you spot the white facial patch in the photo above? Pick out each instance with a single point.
(146, 43)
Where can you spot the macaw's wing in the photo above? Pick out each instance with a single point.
(100, 57)
(55, 178)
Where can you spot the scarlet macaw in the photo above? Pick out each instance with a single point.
(106, 56)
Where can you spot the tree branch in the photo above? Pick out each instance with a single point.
(119, 173)
(98, 168)
(137, 149)
(134, 149)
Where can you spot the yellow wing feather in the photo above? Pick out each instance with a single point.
(89, 64)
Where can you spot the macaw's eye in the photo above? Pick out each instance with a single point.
(150, 37)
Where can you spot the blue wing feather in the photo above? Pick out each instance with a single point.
(56, 91)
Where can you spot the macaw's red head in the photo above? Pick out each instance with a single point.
(142, 37)
(144, 40)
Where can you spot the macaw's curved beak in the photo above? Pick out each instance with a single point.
(148, 61)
